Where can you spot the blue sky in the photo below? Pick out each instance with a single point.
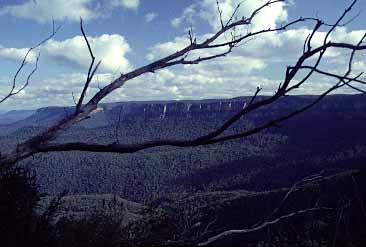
(126, 34)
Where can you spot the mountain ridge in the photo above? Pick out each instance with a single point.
(329, 136)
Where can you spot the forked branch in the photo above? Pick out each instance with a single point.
(13, 89)
(91, 71)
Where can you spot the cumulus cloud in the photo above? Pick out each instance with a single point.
(165, 48)
(149, 17)
(186, 82)
(57, 90)
(267, 18)
(43, 10)
(270, 47)
(73, 52)
(189, 82)
(216, 78)
(130, 4)
(186, 17)
(17, 54)
(207, 10)
(288, 45)
(111, 49)
(359, 65)
(59, 10)
(250, 65)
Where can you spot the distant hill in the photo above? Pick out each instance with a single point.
(330, 137)
(8, 117)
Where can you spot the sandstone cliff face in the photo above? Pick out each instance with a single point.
(216, 109)
(329, 136)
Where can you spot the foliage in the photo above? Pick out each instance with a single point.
(19, 197)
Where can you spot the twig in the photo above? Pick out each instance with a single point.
(263, 225)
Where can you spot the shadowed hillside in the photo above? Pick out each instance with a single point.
(328, 137)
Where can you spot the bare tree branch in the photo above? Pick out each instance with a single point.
(91, 70)
(263, 225)
(13, 90)
(220, 14)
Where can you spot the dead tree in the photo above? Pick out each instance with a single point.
(308, 62)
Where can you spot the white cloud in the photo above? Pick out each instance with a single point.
(149, 17)
(270, 47)
(267, 18)
(246, 68)
(185, 82)
(198, 82)
(360, 65)
(165, 48)
(130, 4)
(207, 10)
(216, 78)
(288, 45)
(186, 17)
(45, 10)
(57, 90)
(226, 79)
(17, 54)
(111, 49)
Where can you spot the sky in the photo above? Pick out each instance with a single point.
(127, 34)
